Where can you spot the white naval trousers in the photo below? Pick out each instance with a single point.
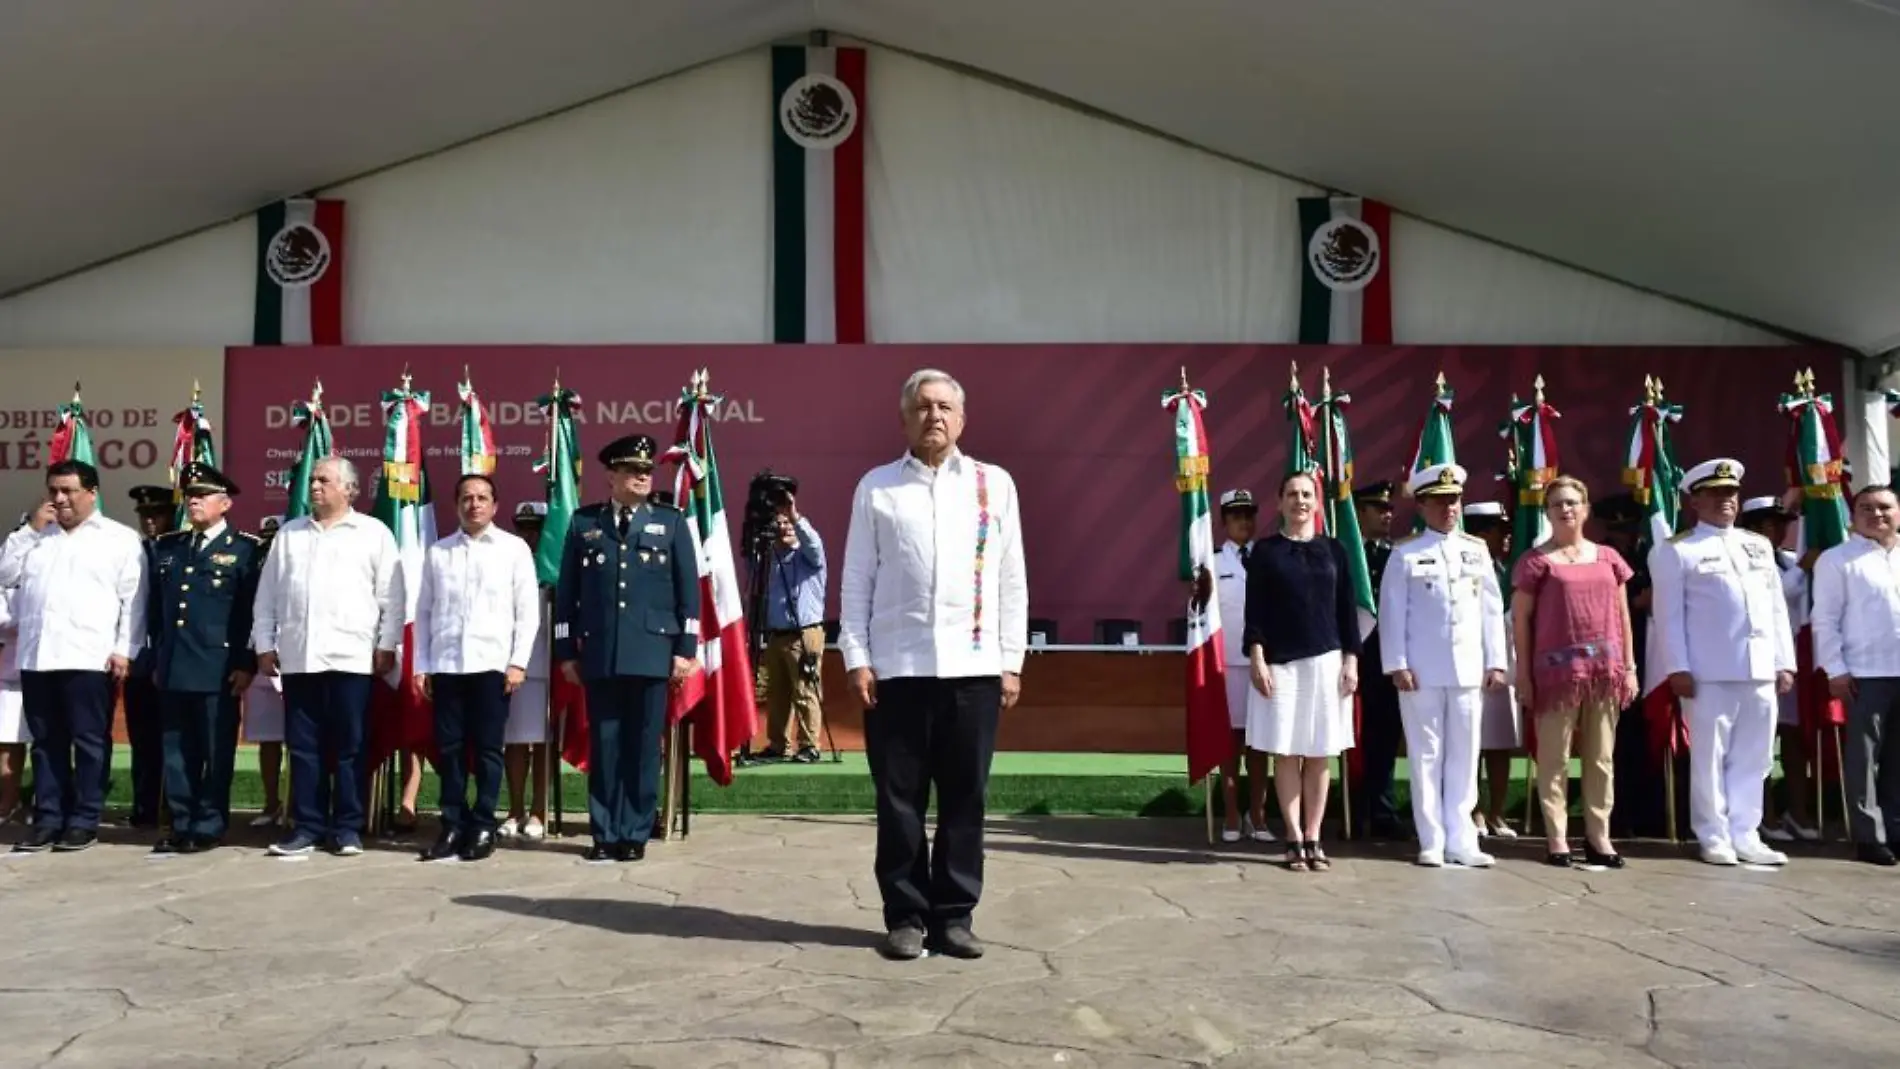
(1731, 751)
(1441, 744)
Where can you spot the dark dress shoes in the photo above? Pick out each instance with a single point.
(479, 846)
(39, 840)
(630, 852)
(902, 943)
(75, 840)
(447, 845)
(198, 844)
(1875, 854)
(602, 852)
(171, 845)
(958, 943)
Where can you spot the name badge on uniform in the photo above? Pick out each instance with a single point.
(1710, 566)
(655, 528)
(1421, 565)
(1469, 558)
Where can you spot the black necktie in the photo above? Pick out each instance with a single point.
(1243, 555)
(625, 516)
(197, 543)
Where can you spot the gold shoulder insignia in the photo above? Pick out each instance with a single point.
(1680, 535)
(1406, 538)
(173, 536)
(256, 540)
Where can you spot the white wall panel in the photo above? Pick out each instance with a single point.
(994, 215)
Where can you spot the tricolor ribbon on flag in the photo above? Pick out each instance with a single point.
(1302, 454)
(403, 411)
(1210, 736)
(1532, 432)
(1817, 468)
(72, 439)
(309, 417)
(1654, 478)
(1338, 512)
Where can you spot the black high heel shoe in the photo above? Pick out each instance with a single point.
(1593, 856)
(1557, 860)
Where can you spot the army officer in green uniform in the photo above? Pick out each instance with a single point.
(204, 579)
(626, 625)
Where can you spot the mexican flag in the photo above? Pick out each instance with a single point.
(478, 434)
(1532, 431)
(401, 717)
(191, 444)
(1434, 438)
(1210, 737)
(1340, 512)
(560, 467)
(719, 695)
(1301, 454)
(317, 444)
(818, 247)
(72, 440)
(1345, 271)
(299, 274)
(1816, 467)
(1655, 481)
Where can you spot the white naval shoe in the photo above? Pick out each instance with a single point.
(1719, 854)
(1755, 852)
(534, 831)
(1776, 833)
(507, 829)
(1431, 859)
(1477, 859)
(1230, 835)
(1258, 833)
(1502, 830)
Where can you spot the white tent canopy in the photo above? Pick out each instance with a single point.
(1736, 154)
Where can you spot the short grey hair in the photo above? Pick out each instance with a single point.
(922, 378)
(344, 469)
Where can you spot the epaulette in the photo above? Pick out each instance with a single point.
(590, 511)
(1680, 535)
(1462, 533)
(256, 540)
(667, 506)
(1396, 542)
(171, 535)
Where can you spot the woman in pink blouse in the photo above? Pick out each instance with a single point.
(1576, 666)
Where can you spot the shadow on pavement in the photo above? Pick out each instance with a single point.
(674, 922)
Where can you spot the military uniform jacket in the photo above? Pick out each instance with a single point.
(1720, 612)
(1441, 613)
(1230, 588)
(627, 608)
(198, 614)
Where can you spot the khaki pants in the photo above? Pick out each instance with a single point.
(1596, 723)
(785, 693)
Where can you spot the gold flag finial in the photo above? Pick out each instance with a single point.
(405, 378)
(1326, 381)
(1537, 384)
(316, 394)
(1184, 383)
(1293, 375)
(1438, 385)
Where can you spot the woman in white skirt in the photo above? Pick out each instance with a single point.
(264, 726)
(1302, 640)
(13, 734)
(525, 735)
(1500, 729)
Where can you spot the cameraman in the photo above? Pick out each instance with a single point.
(794, 629)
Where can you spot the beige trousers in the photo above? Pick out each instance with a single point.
(1595, 722)
(786, 694)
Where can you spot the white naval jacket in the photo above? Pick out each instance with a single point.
(1230, 591)
(1720, 612)
(1441, 614)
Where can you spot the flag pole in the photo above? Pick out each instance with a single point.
(1207, 782)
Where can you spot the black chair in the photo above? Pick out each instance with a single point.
(1118, 632)
(1042, 632)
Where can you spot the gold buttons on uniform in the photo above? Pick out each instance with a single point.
(187, 569)
(184, 586)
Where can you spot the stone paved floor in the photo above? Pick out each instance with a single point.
(1113, 943)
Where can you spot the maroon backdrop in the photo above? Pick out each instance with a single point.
(1079, 426)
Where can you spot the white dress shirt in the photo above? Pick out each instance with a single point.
(479, 609)
(1441, 614)
(1720, 613)
(912, 577)
(1230, 587)
(1857, 609)
(329, 598)
(80, 594)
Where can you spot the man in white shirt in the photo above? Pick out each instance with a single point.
(478, 615)
(1857, 643)
(1443, 618)
(80, 609)
(935, 618)
(329, 614)
(1723, 641)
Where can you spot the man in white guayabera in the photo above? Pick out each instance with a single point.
(934, 621)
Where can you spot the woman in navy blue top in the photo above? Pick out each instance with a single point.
(1303, 644)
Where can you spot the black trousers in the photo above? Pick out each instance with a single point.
(70, 716)
(624, 718)
(1381, 732)
(927, 733)
(199, 741)
(145, 732)
(470, 712)
(1873, 760)
(326, 716)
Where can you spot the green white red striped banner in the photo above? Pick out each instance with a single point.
(1345, 271)
(818, 247)
(299, 274)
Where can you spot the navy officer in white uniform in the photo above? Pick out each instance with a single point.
(1443, 617)
(1724, 642)
(1239, 516)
